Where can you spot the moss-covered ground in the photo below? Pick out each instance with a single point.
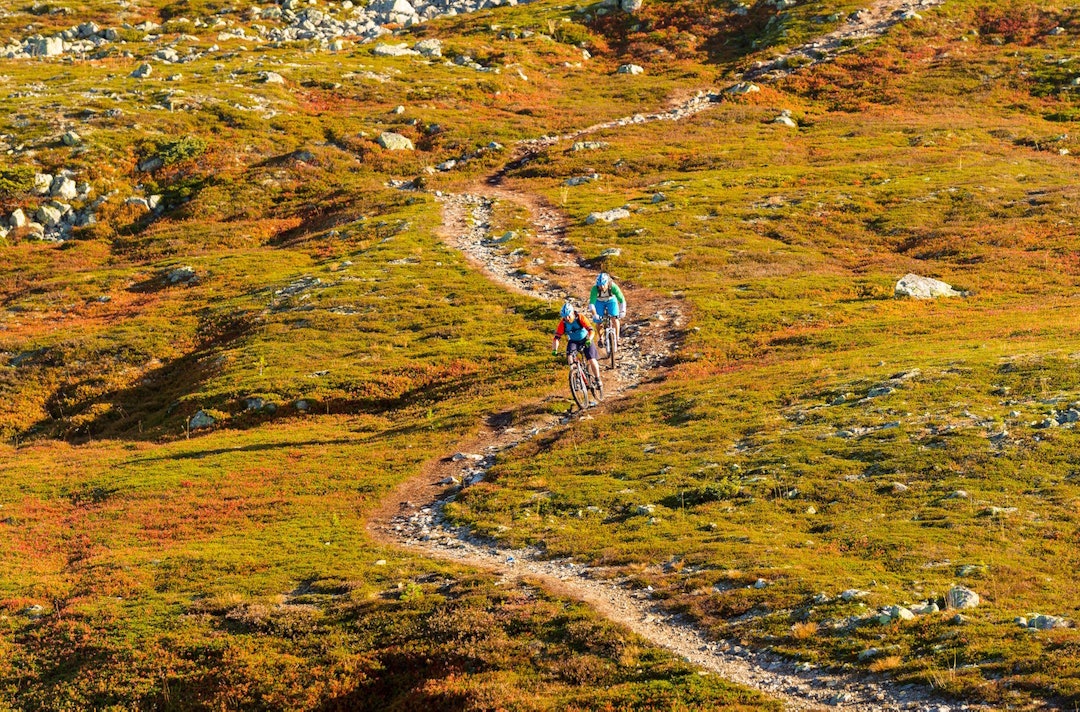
(339, 345)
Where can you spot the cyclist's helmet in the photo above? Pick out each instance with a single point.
(603, 280)
(567, 311)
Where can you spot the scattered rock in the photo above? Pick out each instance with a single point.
(394, 141)
(42, 184)
(151, 164)
(644, 509)
(201, 419)
(71, 139)
(961, 597)
(184, 274)
(853, 593)
(64, 188)
(611, 252)
(588, 146)
(1038, 621)
(916, 287)
(632, 69)
(631, 6)
(398, 50)
(743, 88)
(784, 119)
(142, 71)
(608, 216)
(581, 180)
(271, 78)
(49, 215)
(429, 48)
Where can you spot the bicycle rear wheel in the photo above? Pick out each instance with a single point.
(578, 386)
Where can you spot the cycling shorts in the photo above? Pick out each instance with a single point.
(587, 347)
(607, 306)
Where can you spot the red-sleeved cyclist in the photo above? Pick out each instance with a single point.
(579, 337)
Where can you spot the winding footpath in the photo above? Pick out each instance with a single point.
(412, 516)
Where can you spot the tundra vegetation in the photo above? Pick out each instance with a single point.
(206, 389)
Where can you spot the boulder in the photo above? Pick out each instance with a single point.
(611, 252)
(961, 597)
(271, 78)
(142, 71)
(395, 142)
(631, 6)
(397, 11)
(64, 188)
(429, 48)
(18, 219)
(1039, 621)
(201, 419)
(138, 202)
(784, 119)
(42, 184)
(184, 273)
(398, 50)
(916, 287)
(49, 215)
(151, 164)
(852, 593)
(71, 139)
(45, 46)
(608, 216)
(631, 69)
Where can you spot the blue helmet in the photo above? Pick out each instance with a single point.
(603, 279)
(567, 310)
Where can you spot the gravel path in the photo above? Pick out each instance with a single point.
(413, 516)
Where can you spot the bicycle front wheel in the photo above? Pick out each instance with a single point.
(578, 387)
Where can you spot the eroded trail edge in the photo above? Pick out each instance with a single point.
(412, 516)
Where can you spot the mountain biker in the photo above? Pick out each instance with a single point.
(579, 337)
(606, 298)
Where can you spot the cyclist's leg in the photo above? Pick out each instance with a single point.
(571, 348)
(591, 353)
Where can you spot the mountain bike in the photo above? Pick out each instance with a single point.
(609, 338)
(582, 382)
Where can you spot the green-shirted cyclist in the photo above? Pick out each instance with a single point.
(606, 298)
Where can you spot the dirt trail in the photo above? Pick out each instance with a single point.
(412, 516)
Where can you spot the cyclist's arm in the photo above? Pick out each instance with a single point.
(618, 293)
(593, 294)
(559, 331)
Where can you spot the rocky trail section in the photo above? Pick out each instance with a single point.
(413, 516)
(861, 26)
